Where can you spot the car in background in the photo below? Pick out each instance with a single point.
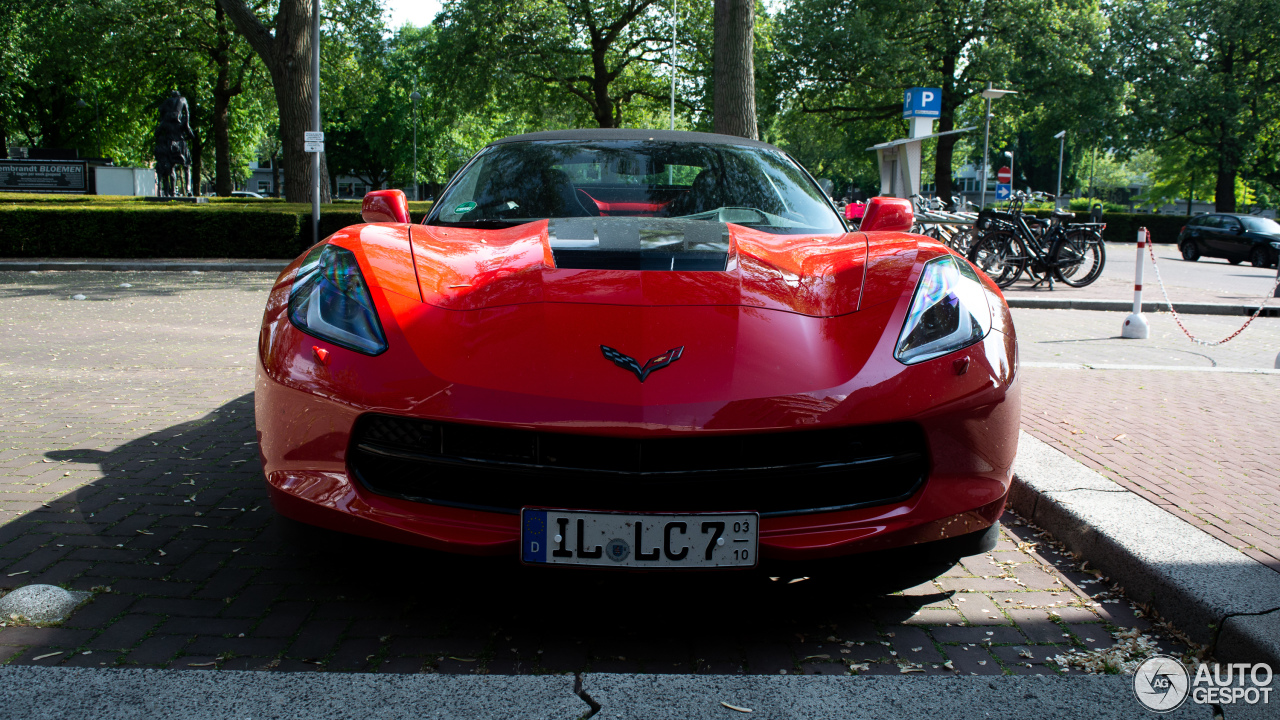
(1233, 237)
(246, 194)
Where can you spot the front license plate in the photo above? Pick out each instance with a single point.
(696, 540)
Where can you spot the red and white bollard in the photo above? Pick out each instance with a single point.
(1135, 326)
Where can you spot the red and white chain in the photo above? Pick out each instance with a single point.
(1178, 320)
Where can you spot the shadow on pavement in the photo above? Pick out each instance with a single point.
(180, 529)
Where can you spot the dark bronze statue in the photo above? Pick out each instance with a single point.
(173, 158)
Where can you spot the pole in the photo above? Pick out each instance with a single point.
(1062, 145)
(1135, 326)
(1093, 169)
(416, 192)
(97, 120)
(674, 6)
(986, 148)
(315, 118)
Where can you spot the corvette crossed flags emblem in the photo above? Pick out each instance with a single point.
(628, 363)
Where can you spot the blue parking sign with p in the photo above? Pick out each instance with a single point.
(1003, 191)
(922, 102)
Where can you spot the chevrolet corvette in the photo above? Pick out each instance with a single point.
(638, 349)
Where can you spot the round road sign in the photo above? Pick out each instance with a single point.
(1005, 174)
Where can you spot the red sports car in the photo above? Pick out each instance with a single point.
(638, 349)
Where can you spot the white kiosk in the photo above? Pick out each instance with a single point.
(900, 159)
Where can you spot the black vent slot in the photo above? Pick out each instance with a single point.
(500, 469)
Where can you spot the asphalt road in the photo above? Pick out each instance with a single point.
(1208, 280)
(1212, 274)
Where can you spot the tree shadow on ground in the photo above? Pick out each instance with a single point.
(179, 527)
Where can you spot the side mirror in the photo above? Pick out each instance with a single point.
(888, 214)
(385, 206)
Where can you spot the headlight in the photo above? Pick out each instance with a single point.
(949, 311)
(331, 301)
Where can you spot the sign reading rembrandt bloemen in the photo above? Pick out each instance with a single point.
(44, 176)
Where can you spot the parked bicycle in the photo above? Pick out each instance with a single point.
(1008, 243)
(951, 228)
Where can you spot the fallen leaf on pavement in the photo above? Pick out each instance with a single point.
(46, 655)
(207, 664)
(1121, 436)
(735, 707)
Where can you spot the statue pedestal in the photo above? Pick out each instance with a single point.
(192, 200)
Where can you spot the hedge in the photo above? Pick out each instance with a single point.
(91, 227)
(137, 230)
(1123, 227)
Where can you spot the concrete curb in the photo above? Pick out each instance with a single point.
(1147, 307)
(40, 692)
(274, 266)
(1209, 590)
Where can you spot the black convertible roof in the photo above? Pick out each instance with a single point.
(632, 134)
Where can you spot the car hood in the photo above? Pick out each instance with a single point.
(630, 262)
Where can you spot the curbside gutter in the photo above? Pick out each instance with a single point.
(1036, 303)
(1206, 588)
(57, 692)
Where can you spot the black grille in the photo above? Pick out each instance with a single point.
(500, 469)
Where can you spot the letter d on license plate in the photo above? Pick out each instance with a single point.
(694, 540)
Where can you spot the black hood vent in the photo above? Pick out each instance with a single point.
(630, 243)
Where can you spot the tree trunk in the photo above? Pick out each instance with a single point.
(222, 94)
(734, 108)
(603, 106)
(275, 174)
(287, 55)
(222, 185)
(1224, 191)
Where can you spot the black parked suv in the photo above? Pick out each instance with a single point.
(1234, 237)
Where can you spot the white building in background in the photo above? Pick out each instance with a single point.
(263, 178)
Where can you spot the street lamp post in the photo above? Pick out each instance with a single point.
(1009, 154)
(674, 4)
(415, 97)
(1062, 144)
(990, 94)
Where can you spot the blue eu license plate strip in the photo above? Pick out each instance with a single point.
(604, 539)
(533, 535)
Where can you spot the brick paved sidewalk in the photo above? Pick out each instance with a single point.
(130, 464)
(1204, 446)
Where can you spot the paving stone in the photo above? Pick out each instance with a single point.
(125, 632)
(973, 660)
(977, 635)
(157, 650)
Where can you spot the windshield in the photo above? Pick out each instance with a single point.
(1261, 225)
(515, 183)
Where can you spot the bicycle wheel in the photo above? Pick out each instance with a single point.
(996, 254)
(962, 240)
(1081, 257)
